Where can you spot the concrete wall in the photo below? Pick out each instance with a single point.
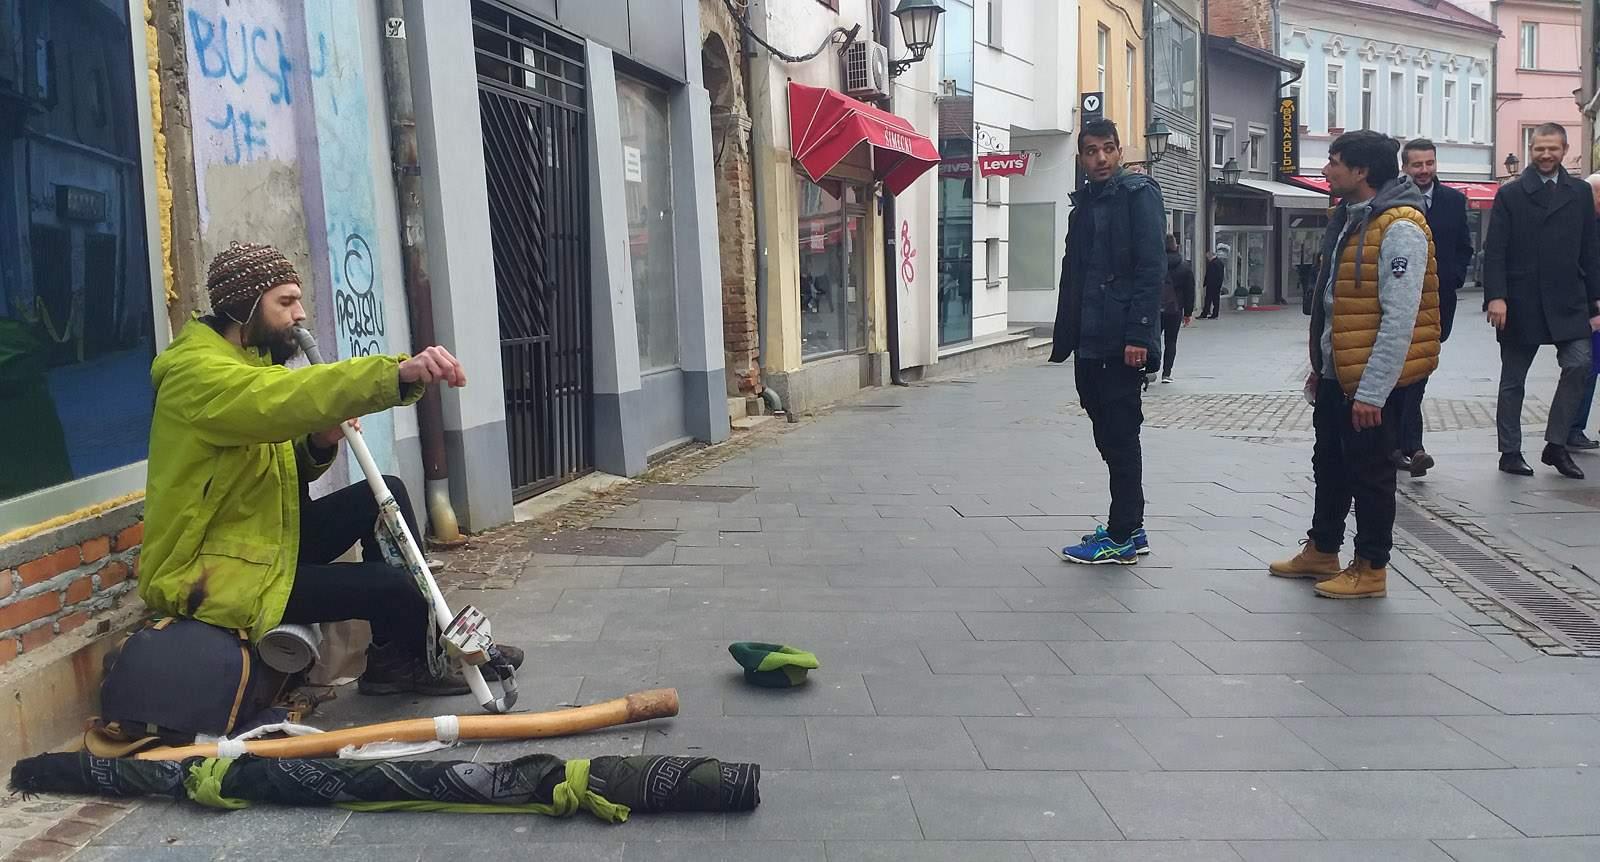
(1528, 97)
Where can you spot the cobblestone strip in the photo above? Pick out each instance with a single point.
(1278, 412)
(49, 828)
(1489, 607)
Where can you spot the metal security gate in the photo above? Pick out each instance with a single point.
(531, 97)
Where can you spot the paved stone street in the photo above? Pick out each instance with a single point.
(980, 700)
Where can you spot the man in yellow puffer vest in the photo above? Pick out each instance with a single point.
(1374, 326)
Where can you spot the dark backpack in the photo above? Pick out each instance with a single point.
(175, 678)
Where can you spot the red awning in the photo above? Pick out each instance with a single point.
(825, 125)
(1480, 196)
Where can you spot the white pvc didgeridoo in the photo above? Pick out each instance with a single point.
(466, 635)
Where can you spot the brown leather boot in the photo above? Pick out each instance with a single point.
(1309, 563)
(1361, 580)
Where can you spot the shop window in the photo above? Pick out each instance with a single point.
(833, 261)
(77, 317)
(647, 174)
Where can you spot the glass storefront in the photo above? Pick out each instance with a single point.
(956, 176)
(833, 261)
(647, 174)
(76, 312)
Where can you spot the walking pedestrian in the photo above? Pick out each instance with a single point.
(1542, 285)
(1108, 313)
(1177, 305)
(1374, 325)
(1213, 286)
(1577, 439)
(1446, 211)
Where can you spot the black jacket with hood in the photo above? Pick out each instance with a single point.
(1113, 270)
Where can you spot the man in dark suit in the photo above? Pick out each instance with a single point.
(1542, 286)
(1446, 209)
(1213, 286)
(1577, 439)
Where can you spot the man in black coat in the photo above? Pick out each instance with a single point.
(1542, 286)
(1446, 209)
(1213, 285)
(1577, 439)
(1177, 305)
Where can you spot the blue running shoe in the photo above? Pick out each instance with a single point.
(1141, 539)
(1100, 551)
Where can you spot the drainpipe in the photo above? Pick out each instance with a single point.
(891, 277)
(419, 288)
(760, 110)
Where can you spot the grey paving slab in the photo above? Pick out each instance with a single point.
(712, 598)
(796, 628)
(1059, 599)
(1534, 740)
(1405, 628)
(1233, 744)
(953, 695)
(1093, 696)
(992, 657)
(1523, 849)
(971, 574)
(1275, 627)
(1057, 743)
(832, 694)
(715, 851)
(1388, 742)
(721, 557)
(561, 577)
(1383, 805)
(1132, 851)
(1538, 802)
(1340, 851)
(1152, 627)
(1174, 599)
(904, 626)
(1531, 694)
(1196, 805)
(671, 576)
(188, 854)
(890, 743)
(829, 806)
(947, 599)
(1393, 694)
(1399, 657)
(561, 851)
(900, 578)
(1273, 657)
(928, 851)
(1126, 657)
(1028, 806)
(1247, 696)
(987, 626)
(663, 625)
(588, 600)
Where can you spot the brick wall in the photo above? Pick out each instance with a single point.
(1249, 21)
(55, 582)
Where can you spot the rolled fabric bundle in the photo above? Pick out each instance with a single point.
(607, 787)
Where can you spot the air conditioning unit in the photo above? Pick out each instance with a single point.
(866, 70)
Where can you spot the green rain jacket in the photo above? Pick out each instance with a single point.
(228, 453)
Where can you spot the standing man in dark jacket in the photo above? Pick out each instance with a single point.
(1177, 305)
(1108, 313)
(1542, 285)
(1214, 272)
(1446, 210)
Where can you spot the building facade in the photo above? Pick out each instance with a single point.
(1539, 71)
(1173, 54)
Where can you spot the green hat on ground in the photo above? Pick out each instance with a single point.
(772, 665)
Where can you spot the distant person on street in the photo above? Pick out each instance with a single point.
(1541, 275)
(1374, 325)
(1446, 210)
(1109, 314)
(1577, 439)
(1213, 286)
(1177, 305)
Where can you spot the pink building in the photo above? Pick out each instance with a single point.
(1537, 71)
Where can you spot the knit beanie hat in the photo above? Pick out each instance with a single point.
(242, 272)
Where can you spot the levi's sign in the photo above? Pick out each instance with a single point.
(1003, 164)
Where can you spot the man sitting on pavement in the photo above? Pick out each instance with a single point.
(1374, 325)
(232, 537)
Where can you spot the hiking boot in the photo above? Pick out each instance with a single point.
(390, 671)
(1361, 580)
(1309, 563)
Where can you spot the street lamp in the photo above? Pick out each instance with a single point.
(919, 22)
(1231, 172)
(1155, 139)
(1512, 163)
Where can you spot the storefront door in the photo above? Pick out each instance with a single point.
(1243, 251)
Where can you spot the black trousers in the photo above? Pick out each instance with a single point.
(1171, 322)
(324, 591)
(1212, 304)
(1404, 410)
(1352, 467)
(1109, 391)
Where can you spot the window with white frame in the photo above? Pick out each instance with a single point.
(1476, 131)
(1527, 145)
(1258, 149)
(996, 28)
(1369, 98)
(1174, 62)
(1299, 110)
(1335, 106)
(1221, 142)
(1130, 73)
(1397, 103)
(1102, 49)
(1448, 133)
(1424, 91)
(1528, 57)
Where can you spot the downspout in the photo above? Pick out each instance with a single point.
(759, 109)
(419, 288)
(887, 222)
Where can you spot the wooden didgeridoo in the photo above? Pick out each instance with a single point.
(636, 707)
